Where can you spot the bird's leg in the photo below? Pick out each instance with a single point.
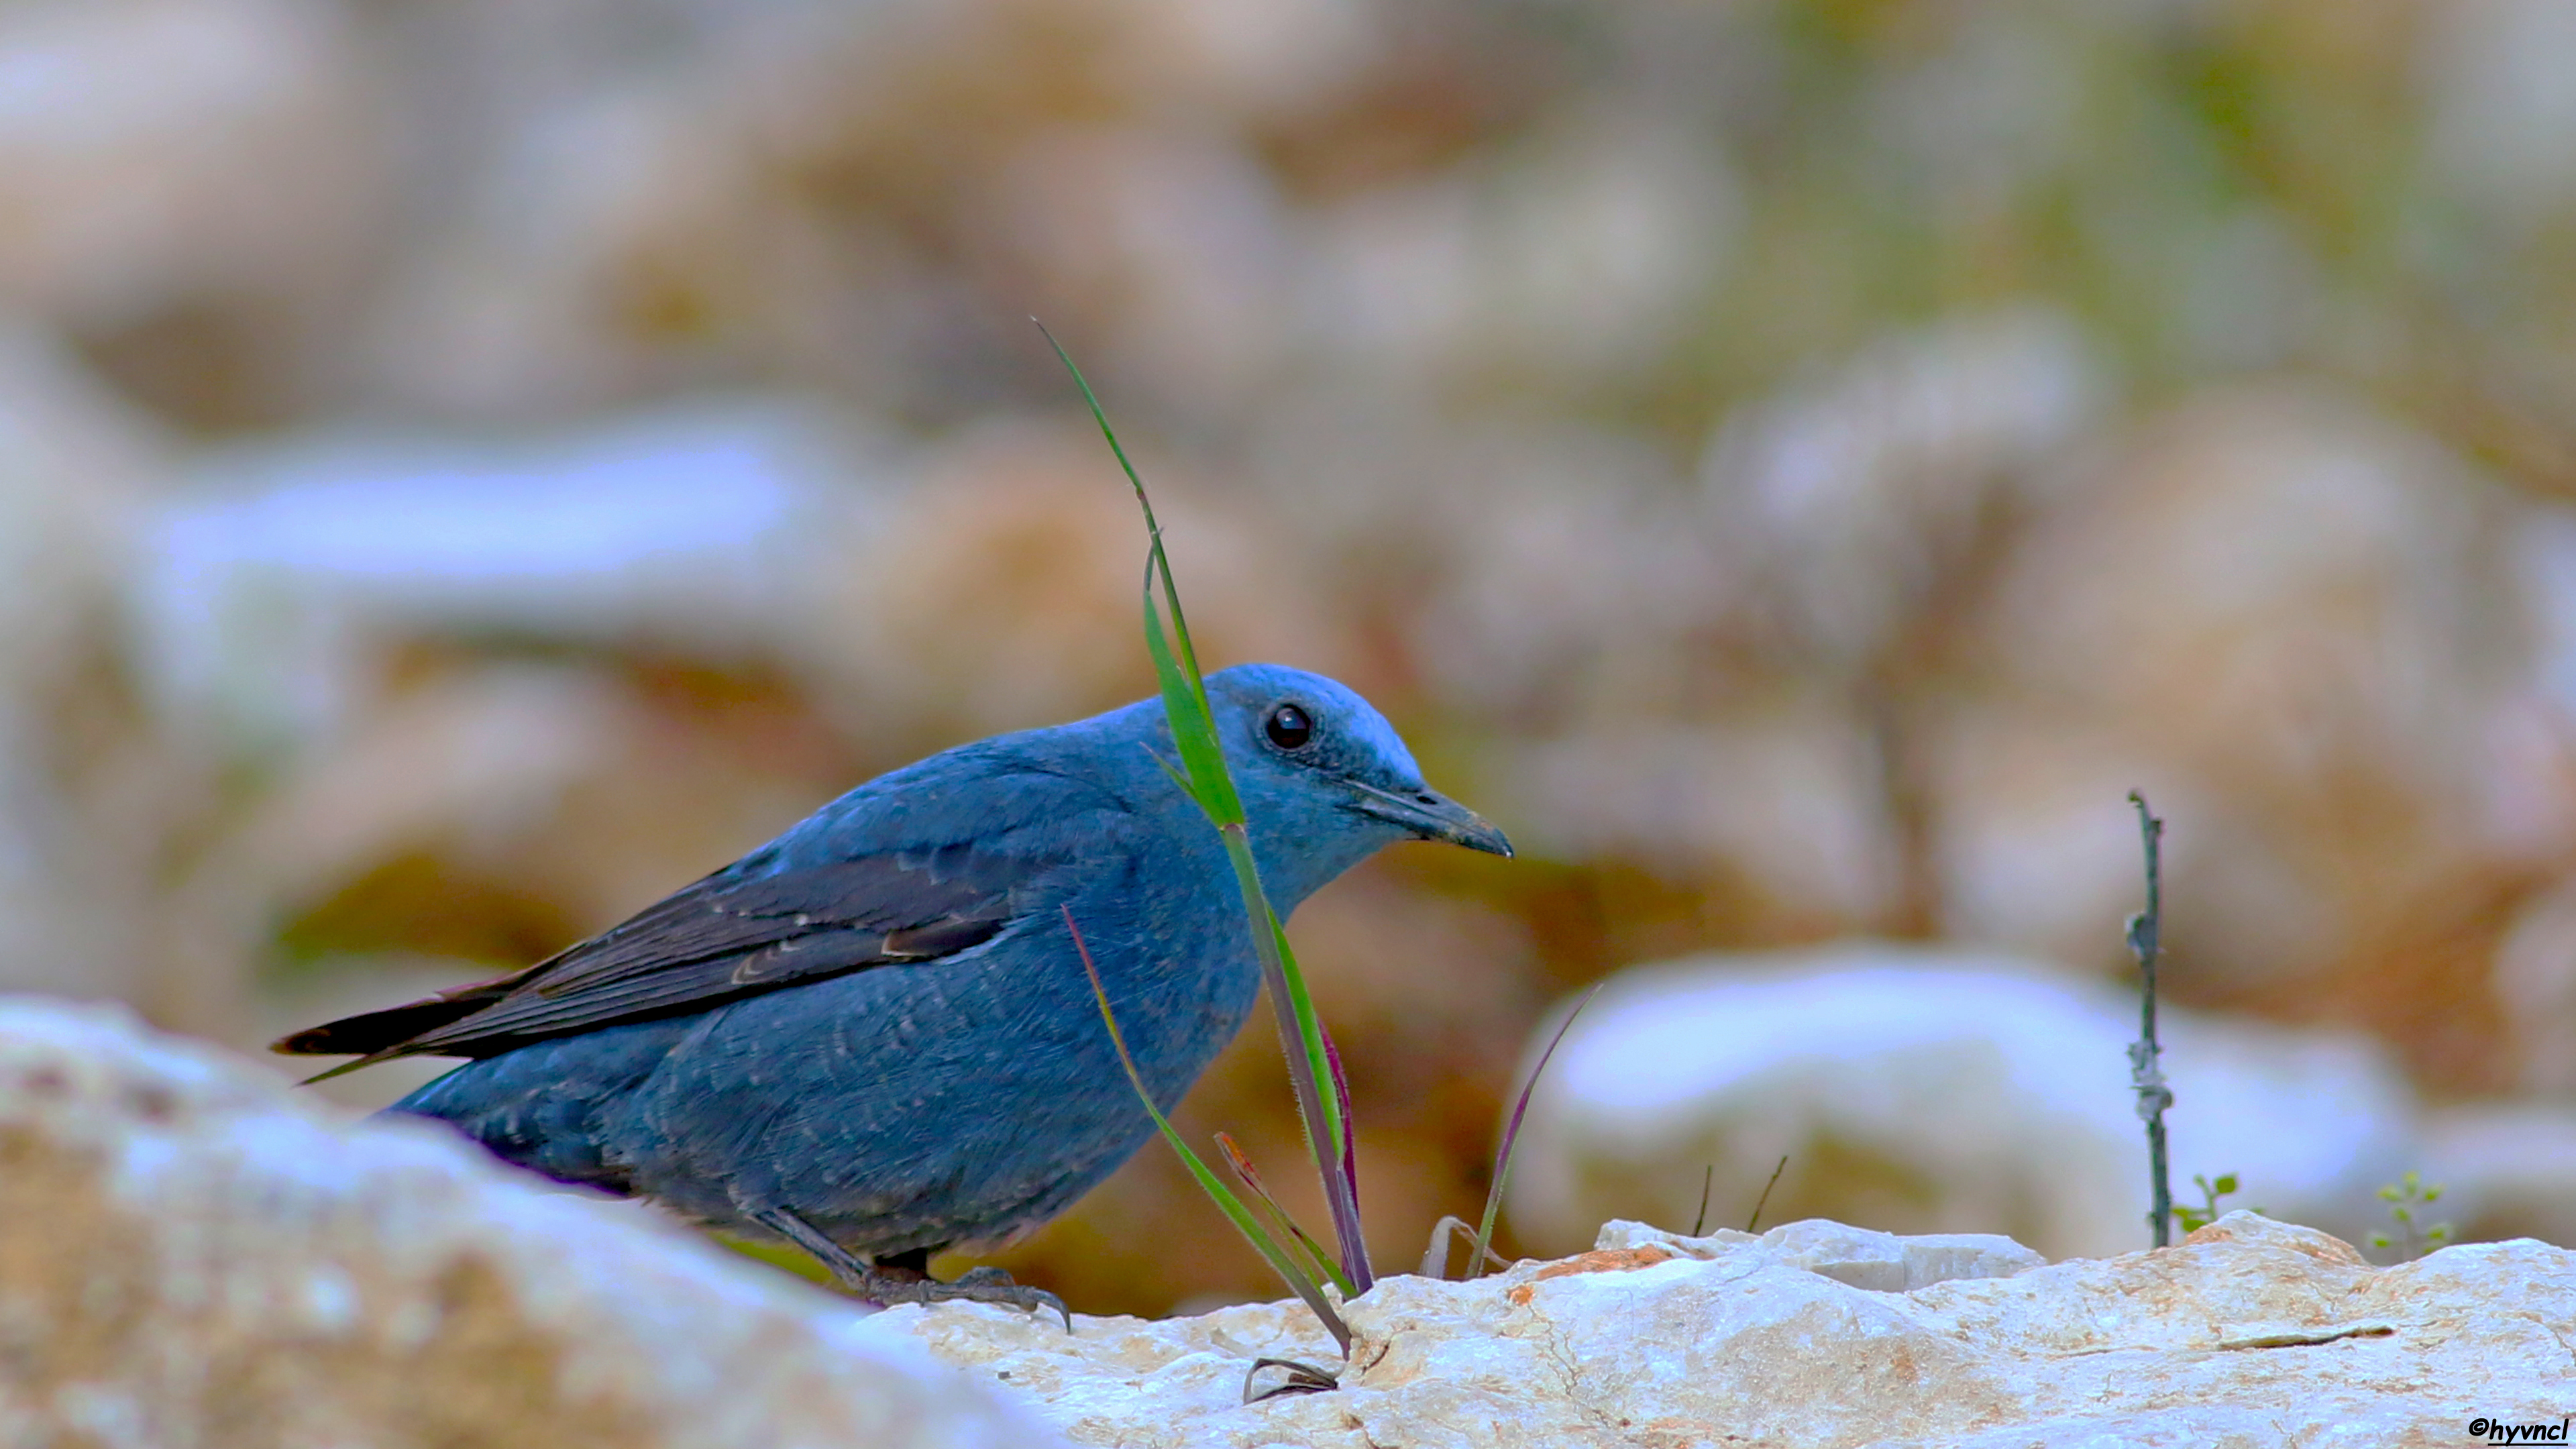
(976, 1285)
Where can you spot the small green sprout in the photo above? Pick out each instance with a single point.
(2403, 1197)
(2193, 1219)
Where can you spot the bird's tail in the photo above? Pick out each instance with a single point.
(373, 1036)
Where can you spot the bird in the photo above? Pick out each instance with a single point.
(875, 1036)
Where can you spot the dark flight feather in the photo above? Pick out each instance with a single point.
(728, 936)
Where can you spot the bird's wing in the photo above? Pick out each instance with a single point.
(756, 927)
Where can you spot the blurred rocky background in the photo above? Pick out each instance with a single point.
(468, 467)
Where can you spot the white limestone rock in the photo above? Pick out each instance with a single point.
(266, 590)
(191, 1258)
(1940, 1090)
(2251, 1332)
(1860, 1257)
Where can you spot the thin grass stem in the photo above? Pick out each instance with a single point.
(1319, 1263)
(2146, 1069)
(1484, 1249)
(1754, 1223)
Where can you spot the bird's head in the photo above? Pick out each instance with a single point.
(1324, 776)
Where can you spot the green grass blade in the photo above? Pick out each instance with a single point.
(1301, 1041)
(1344, 1172)
(1186, 707)
(1341, 1100)
(1280, 1260)
(1176, 661)
(1212, 786)
(1310, 1033)
(1193, 726)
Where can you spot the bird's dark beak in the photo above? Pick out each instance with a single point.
(1431, 815)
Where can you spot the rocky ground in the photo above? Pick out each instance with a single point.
(2252, 1332)
(191, 1256)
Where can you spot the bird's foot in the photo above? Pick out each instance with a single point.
(905, 1277)
(975, 1285)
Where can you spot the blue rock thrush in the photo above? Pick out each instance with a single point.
(872, 1037)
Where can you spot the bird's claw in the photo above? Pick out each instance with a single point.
(987, 1284)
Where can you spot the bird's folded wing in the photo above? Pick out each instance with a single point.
(742, 931)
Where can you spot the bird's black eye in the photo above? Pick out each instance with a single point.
(1289, 728)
